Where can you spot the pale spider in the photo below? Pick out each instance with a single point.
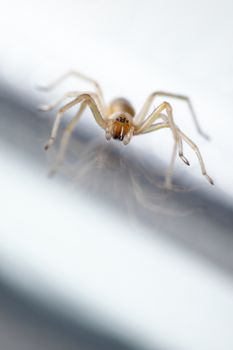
(120, 121)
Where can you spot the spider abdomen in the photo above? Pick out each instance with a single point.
(121, 104)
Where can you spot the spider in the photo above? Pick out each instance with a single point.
(121, 122)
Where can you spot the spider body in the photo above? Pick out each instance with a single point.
(121, 122)
(120, 114)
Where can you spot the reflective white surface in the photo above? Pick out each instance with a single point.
(152, 266)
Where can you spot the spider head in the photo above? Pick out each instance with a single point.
(120, 127)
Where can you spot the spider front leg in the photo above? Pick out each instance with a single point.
(163, 125)
(168, 178)
(169, 122)
(170, 169)
(90, 101)
(199, 156)
(177, 144)
(156, 114)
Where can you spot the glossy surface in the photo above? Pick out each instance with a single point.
(102, 242)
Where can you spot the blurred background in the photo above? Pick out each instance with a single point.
(101, 256)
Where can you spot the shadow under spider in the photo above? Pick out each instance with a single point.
(132, 184)
(110, 170)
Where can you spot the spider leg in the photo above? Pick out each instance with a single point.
(165, 124)
(199, 156)
(168, 177)
(181, 152)
(77, 75)
(150, 99)
(49, 107)
(90, 101)
(178, 143)
(155, 127)
(156, 114)
(66, 136)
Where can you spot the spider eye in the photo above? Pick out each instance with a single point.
(122, 119)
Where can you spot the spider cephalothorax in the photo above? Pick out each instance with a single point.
(120, 121)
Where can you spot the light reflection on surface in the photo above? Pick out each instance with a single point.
(119, 191)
